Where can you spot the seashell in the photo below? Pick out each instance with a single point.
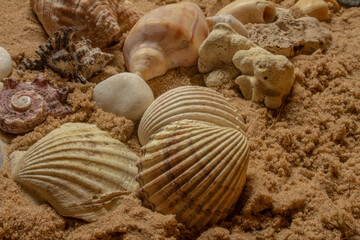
(317, 8)
(2, 153)
(229, 19)
(250, 11)
(188, 102)
(350, 3)
(77, 61)
(124, 94)
(79, 170)
(101, 21)
(23, 106)
(5, 63)
(195, 170)
(166, 37)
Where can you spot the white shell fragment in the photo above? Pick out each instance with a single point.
(188, 102)
(165, 38)
(250, 11)
(124, 94)
(5, 64)
(194, 170)
(265, 77)
(79, 170)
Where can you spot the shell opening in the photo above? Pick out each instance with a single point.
(269, 14)
(21, 102)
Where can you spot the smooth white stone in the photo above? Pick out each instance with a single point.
(5, 63)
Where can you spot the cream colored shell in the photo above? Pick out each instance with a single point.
(188, 102)
(102, 21)
(195, 170)
(250, 11)
(317, 8)
(229, 19)
(165, 38)
(79, 170)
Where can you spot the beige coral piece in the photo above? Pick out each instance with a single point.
(216, 53)
(290, 36)
(194, 170)
(317, 8)
(78, 169)
(250, 11)
(165, 38)
(265, 77)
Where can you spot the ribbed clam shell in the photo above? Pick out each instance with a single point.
(79, 169)
(102, 21)
(195, 170)
(188, 102)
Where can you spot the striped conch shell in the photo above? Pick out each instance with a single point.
(317, 8)
(79, 170)
(166, 37)
(250, 11)
(194, 170)
(188, 102)
(101, 21)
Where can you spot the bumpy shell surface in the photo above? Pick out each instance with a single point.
(79, 169)
(317, 8)
(101, 21)
(250, 11)
(23, 106)
(166, 37)
(188, 102)
(75, 60)
(195, 170)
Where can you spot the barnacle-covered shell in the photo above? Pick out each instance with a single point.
(188, 102)
(166, 37)
(75, 60)
(79, 169)
(101, 21)
(23, 106)
(317, 8)
(250, 11)
(195, 170)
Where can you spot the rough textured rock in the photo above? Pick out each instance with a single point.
(289, 36)
(216, 52)
(124, 94)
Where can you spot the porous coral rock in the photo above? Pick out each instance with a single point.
(289, 36)
(216, 52)
(266, 77)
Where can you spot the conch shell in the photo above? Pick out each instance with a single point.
(23, 106)
(195, 170)
(188, 102)
(79, 170)
(317, 8)
(166, 37)
(101, 21)
(250, 11)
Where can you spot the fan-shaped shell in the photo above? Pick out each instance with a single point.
(101, 21)
(188, 102)
(79, 169)
(195, 170)
(166, 37)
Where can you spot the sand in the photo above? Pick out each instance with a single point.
(303, 180)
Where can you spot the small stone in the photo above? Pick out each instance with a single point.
(2, 153)
(5, 64)
(124, 94)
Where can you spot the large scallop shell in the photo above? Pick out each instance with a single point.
(101, 21)
(166, 37)
(79, 169)
(195, 170)
(188, 102)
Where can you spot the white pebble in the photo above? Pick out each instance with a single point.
(124, 94)
(5, 63)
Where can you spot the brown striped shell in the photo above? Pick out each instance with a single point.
(188, 102)
(165, 38)
(23, 105)
(79, 170)
(194, 170)
(101, 21)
